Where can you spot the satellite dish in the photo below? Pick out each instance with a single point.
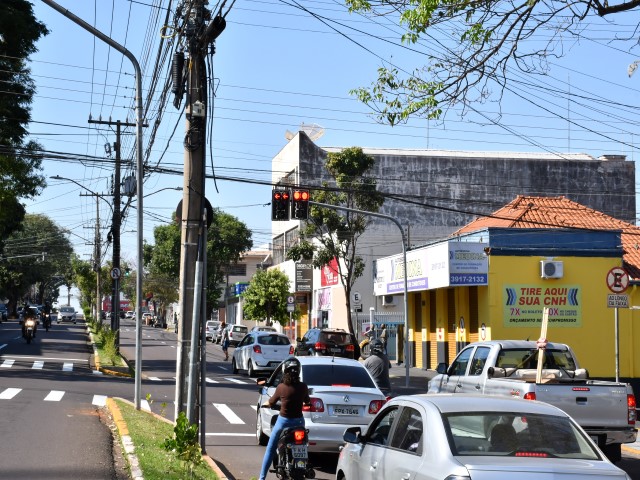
(313, 131)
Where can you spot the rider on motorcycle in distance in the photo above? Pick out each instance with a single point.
(292, 395)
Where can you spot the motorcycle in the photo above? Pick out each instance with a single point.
(29, 329)
(365, 345)
(291, 460)
(47, 321)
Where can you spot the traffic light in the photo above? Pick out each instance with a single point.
(300, 205)
(280, 205)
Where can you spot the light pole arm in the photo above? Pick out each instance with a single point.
(407, 356)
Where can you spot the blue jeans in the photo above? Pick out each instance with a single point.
(280, 425)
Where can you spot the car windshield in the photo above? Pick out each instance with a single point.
(239, 329)
(67, 309)
(528, 359)
(338, 338)
(273, 340)
(516, 435)
(330, 374)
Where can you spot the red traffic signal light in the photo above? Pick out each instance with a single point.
(280, 205)
(300, 205)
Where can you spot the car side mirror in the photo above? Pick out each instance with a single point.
(442, 368)
(352, 435)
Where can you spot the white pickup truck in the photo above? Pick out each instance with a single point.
(605, 410)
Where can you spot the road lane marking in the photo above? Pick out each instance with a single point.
(7, 363)
(228, 413)
(235, 380)
(99, 400)
(9, 393)
(67, 367)
(155, 379)
(210, 380)
(54, 396)
(38, 365)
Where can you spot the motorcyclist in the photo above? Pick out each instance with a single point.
(378, 366)
(28, 312)
(292, 395)
(46, 309)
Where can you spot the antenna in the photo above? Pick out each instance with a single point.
(313, 131)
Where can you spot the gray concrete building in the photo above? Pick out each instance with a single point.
(434, 192)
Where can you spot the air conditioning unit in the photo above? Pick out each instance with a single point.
(551, 269)
(388, 300)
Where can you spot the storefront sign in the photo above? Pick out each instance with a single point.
(329, 274)
(304, 277)
(523, 305)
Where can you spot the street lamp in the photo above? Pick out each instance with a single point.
(97, 243)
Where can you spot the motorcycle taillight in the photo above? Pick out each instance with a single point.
(298, 437)
(316, 405)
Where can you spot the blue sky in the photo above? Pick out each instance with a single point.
(276, 66)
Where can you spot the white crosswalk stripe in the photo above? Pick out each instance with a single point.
(7, 363)
(228, 413)
(38, 365)
(54, 396)
(210, 380)
(9, 393)
(99, 400)
(67, 367)
(235, 380)
(155, 379)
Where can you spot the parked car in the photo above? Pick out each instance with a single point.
(129, 314)
(261, 352)
(475, 437)
(67, 314)
(236, 334)
(147, 318)
(3, 312)
(210, 327)
(326, 341)
(343, 394)
(263, 328)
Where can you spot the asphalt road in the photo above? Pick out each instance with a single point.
(49, 409)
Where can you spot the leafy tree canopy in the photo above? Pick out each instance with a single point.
(483, 40)
(266, 297)
(331, 233)
(20, 163)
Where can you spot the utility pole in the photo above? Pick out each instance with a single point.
(115, 228)
(96, 256)
(198, 37)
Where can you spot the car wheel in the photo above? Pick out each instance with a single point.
(260, 436)
(251, 372)
(234, 367)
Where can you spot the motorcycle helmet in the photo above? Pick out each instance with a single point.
(377, 348)
(292, 365)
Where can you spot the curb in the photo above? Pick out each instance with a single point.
(96, 360)
(123, 430)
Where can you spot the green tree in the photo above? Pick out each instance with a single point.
(227, 239)
(331, 233)
(35, 255)
(20, 163)
(266, 297)
(487, 39)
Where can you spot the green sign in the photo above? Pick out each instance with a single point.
(523, 305)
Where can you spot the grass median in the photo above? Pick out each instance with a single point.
(148, 434)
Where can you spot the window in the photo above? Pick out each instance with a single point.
(378, 433)
(278, 249)
(479, 360)
(237, 270)
(459, 365)
(408, 432)
(327, 374)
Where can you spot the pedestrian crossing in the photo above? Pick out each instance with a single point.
(51, 396)
(60, 365)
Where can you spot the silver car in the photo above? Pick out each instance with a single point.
(261, 352)
(342, 392)
(472, 437)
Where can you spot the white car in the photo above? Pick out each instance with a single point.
(210, 327)
(67, 314)
(342, 392)
(472, 437)
(261, 352)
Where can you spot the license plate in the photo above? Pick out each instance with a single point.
(299, 451)
(345, 410)
(334, 350)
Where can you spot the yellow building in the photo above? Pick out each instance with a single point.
(492, 279)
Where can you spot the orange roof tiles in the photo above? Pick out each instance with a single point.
(560, 212)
